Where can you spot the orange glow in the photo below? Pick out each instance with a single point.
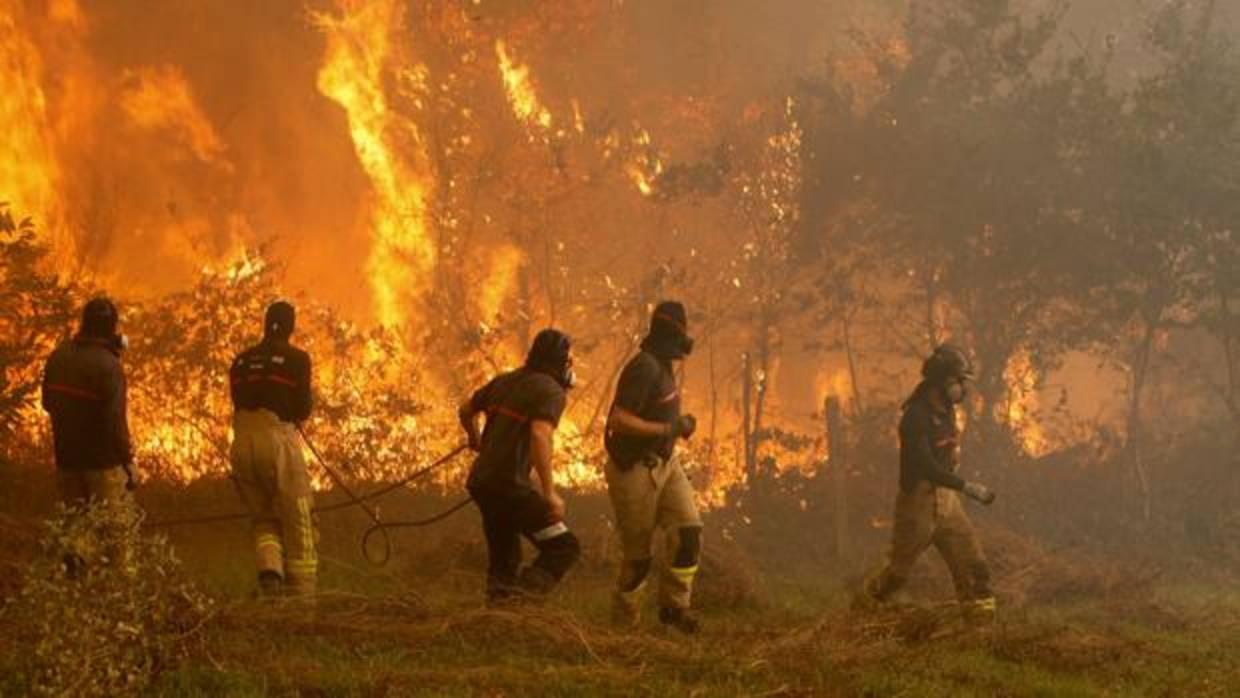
(501, 280)
(1022, 403)
(645, 166)
(160, 99)
(363, 49)
(29, 172)
(520, 89)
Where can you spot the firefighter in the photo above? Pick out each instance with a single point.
(645, 481)
(522, 409)
(271, 394)
(84, 392)
(928, 509)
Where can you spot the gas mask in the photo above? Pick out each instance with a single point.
(686, 344)
(567, 377)
(551, 354)
(955, 391)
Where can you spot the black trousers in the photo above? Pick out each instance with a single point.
(509, 515)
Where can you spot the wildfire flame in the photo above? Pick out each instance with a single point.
(362, 49)
(520, 89)
(30, 177)
(1021, 378)
(645, 166)
(160, 99)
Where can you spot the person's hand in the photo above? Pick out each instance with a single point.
(557, 505)
(683, 427)
(979, 493)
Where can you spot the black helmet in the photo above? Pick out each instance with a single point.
(549, 353)
(947, 362)
(669, 331)
(279, 320)
(99, 318)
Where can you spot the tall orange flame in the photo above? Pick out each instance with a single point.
(30, 176)
(363, 49)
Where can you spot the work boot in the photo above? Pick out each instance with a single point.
(680, 619)
(74, 566)
(626, 608)
(270, 584)
(979, 612)
(536, 583)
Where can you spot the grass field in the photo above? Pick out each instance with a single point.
(417, 628)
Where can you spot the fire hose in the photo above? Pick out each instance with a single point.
(378, 525)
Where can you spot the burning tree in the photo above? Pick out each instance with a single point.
(38, 306)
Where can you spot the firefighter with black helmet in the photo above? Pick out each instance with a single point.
(928, 509)
(84, 392)
(271, 394)
(646, 483)
(523, 409)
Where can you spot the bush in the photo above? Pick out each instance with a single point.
(126, 614)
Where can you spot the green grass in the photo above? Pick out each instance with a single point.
(417, 628)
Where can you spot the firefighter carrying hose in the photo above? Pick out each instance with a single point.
(84, 392)
(645, 481)
(271, 394)
(928, 509)
(522, 409)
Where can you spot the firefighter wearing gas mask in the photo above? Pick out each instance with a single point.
(645, 481)
(271, 394)
(522, 409)
(84, 393)
(928, 509)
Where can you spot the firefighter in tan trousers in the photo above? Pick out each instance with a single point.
(84, 392)
(270, 387)
(647, 486)
(928, 508)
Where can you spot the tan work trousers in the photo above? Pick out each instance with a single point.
(269, 469)
(928, 516)
(650, 501)
(78, 487)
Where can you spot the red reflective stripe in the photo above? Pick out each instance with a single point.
(74, 392)
(510, 413)
(271, 379)
(668, 318)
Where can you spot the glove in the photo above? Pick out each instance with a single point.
(979, 493)
(683, 427)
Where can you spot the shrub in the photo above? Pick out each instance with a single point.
(110, 626)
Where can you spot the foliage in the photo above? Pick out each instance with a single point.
(115, 626)
(37, 308)
(369, 398)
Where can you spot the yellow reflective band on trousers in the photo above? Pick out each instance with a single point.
(685, 573)
(265, 540)
(269, 469)
(305, 525)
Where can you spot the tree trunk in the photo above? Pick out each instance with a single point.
(837, 459)
(746, 433)
(851, 356)
(1140, 373)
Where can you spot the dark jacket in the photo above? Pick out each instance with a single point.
(647, 388)
(511, 402)
(84, 392)
(272, 375)
(929, 440)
